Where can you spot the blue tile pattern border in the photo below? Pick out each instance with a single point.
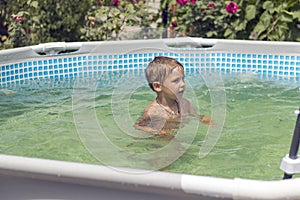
(59, 67)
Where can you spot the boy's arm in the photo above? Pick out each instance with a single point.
(203, 118)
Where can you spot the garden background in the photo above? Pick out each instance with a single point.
(30, 22)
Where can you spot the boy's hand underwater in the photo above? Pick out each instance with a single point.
(206, 120)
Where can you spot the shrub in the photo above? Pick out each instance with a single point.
(29, 22)
(254, 19)
(44, 21)
(107, 20)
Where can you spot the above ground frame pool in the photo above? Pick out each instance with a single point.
(81, 65)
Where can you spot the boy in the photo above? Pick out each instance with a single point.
(166, 77)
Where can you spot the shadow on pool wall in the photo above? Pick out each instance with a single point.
(61, 61)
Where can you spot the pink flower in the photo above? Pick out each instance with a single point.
(116, 3)
(15, 17)
(18, 18)
(211, 5)
(174, 23)
(232, 7)
(182, 2)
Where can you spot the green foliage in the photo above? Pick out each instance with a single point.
(106, 22)
(44, 21)
(41, 21)
(69, 20)
(12, 30)
(278, 21)
(255, 19)
(64, 21)
(18, 35)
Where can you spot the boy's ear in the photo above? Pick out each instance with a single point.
(156, 86)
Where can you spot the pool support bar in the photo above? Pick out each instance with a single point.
(291, 162)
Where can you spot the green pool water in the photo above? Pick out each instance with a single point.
(37, 120)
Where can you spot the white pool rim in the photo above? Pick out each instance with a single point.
(133, 179)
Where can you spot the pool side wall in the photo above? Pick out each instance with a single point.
(273, 59)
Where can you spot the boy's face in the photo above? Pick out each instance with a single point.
(173, 86)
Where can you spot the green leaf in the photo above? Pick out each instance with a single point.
(243, 25)
(296, 15)
(268, 5)
(292, 3)
(265, 19)
(284, 26)
(23, 13)
(35, 19)
(280, 32)
(259, 28)
(250, 1)
(211, 33)
(250, 12)
(286, 18)
(130, 8)
(228, 32)
(288, 13)
(214, 32)
(34, 4)
(263, 37)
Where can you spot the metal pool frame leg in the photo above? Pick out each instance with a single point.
(291, 162)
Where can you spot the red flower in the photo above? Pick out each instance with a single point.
(174, 24)
(182, 2)
(232, 7)
(211, 5)
(17, 18)
(116, 3)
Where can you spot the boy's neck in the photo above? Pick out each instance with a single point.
(166, 102)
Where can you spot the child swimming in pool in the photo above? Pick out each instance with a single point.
(165, 76)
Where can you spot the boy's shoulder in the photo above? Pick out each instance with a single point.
(186, 106)
(153, 108)
(185, 102)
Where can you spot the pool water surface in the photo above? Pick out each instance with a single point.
(37, 120)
